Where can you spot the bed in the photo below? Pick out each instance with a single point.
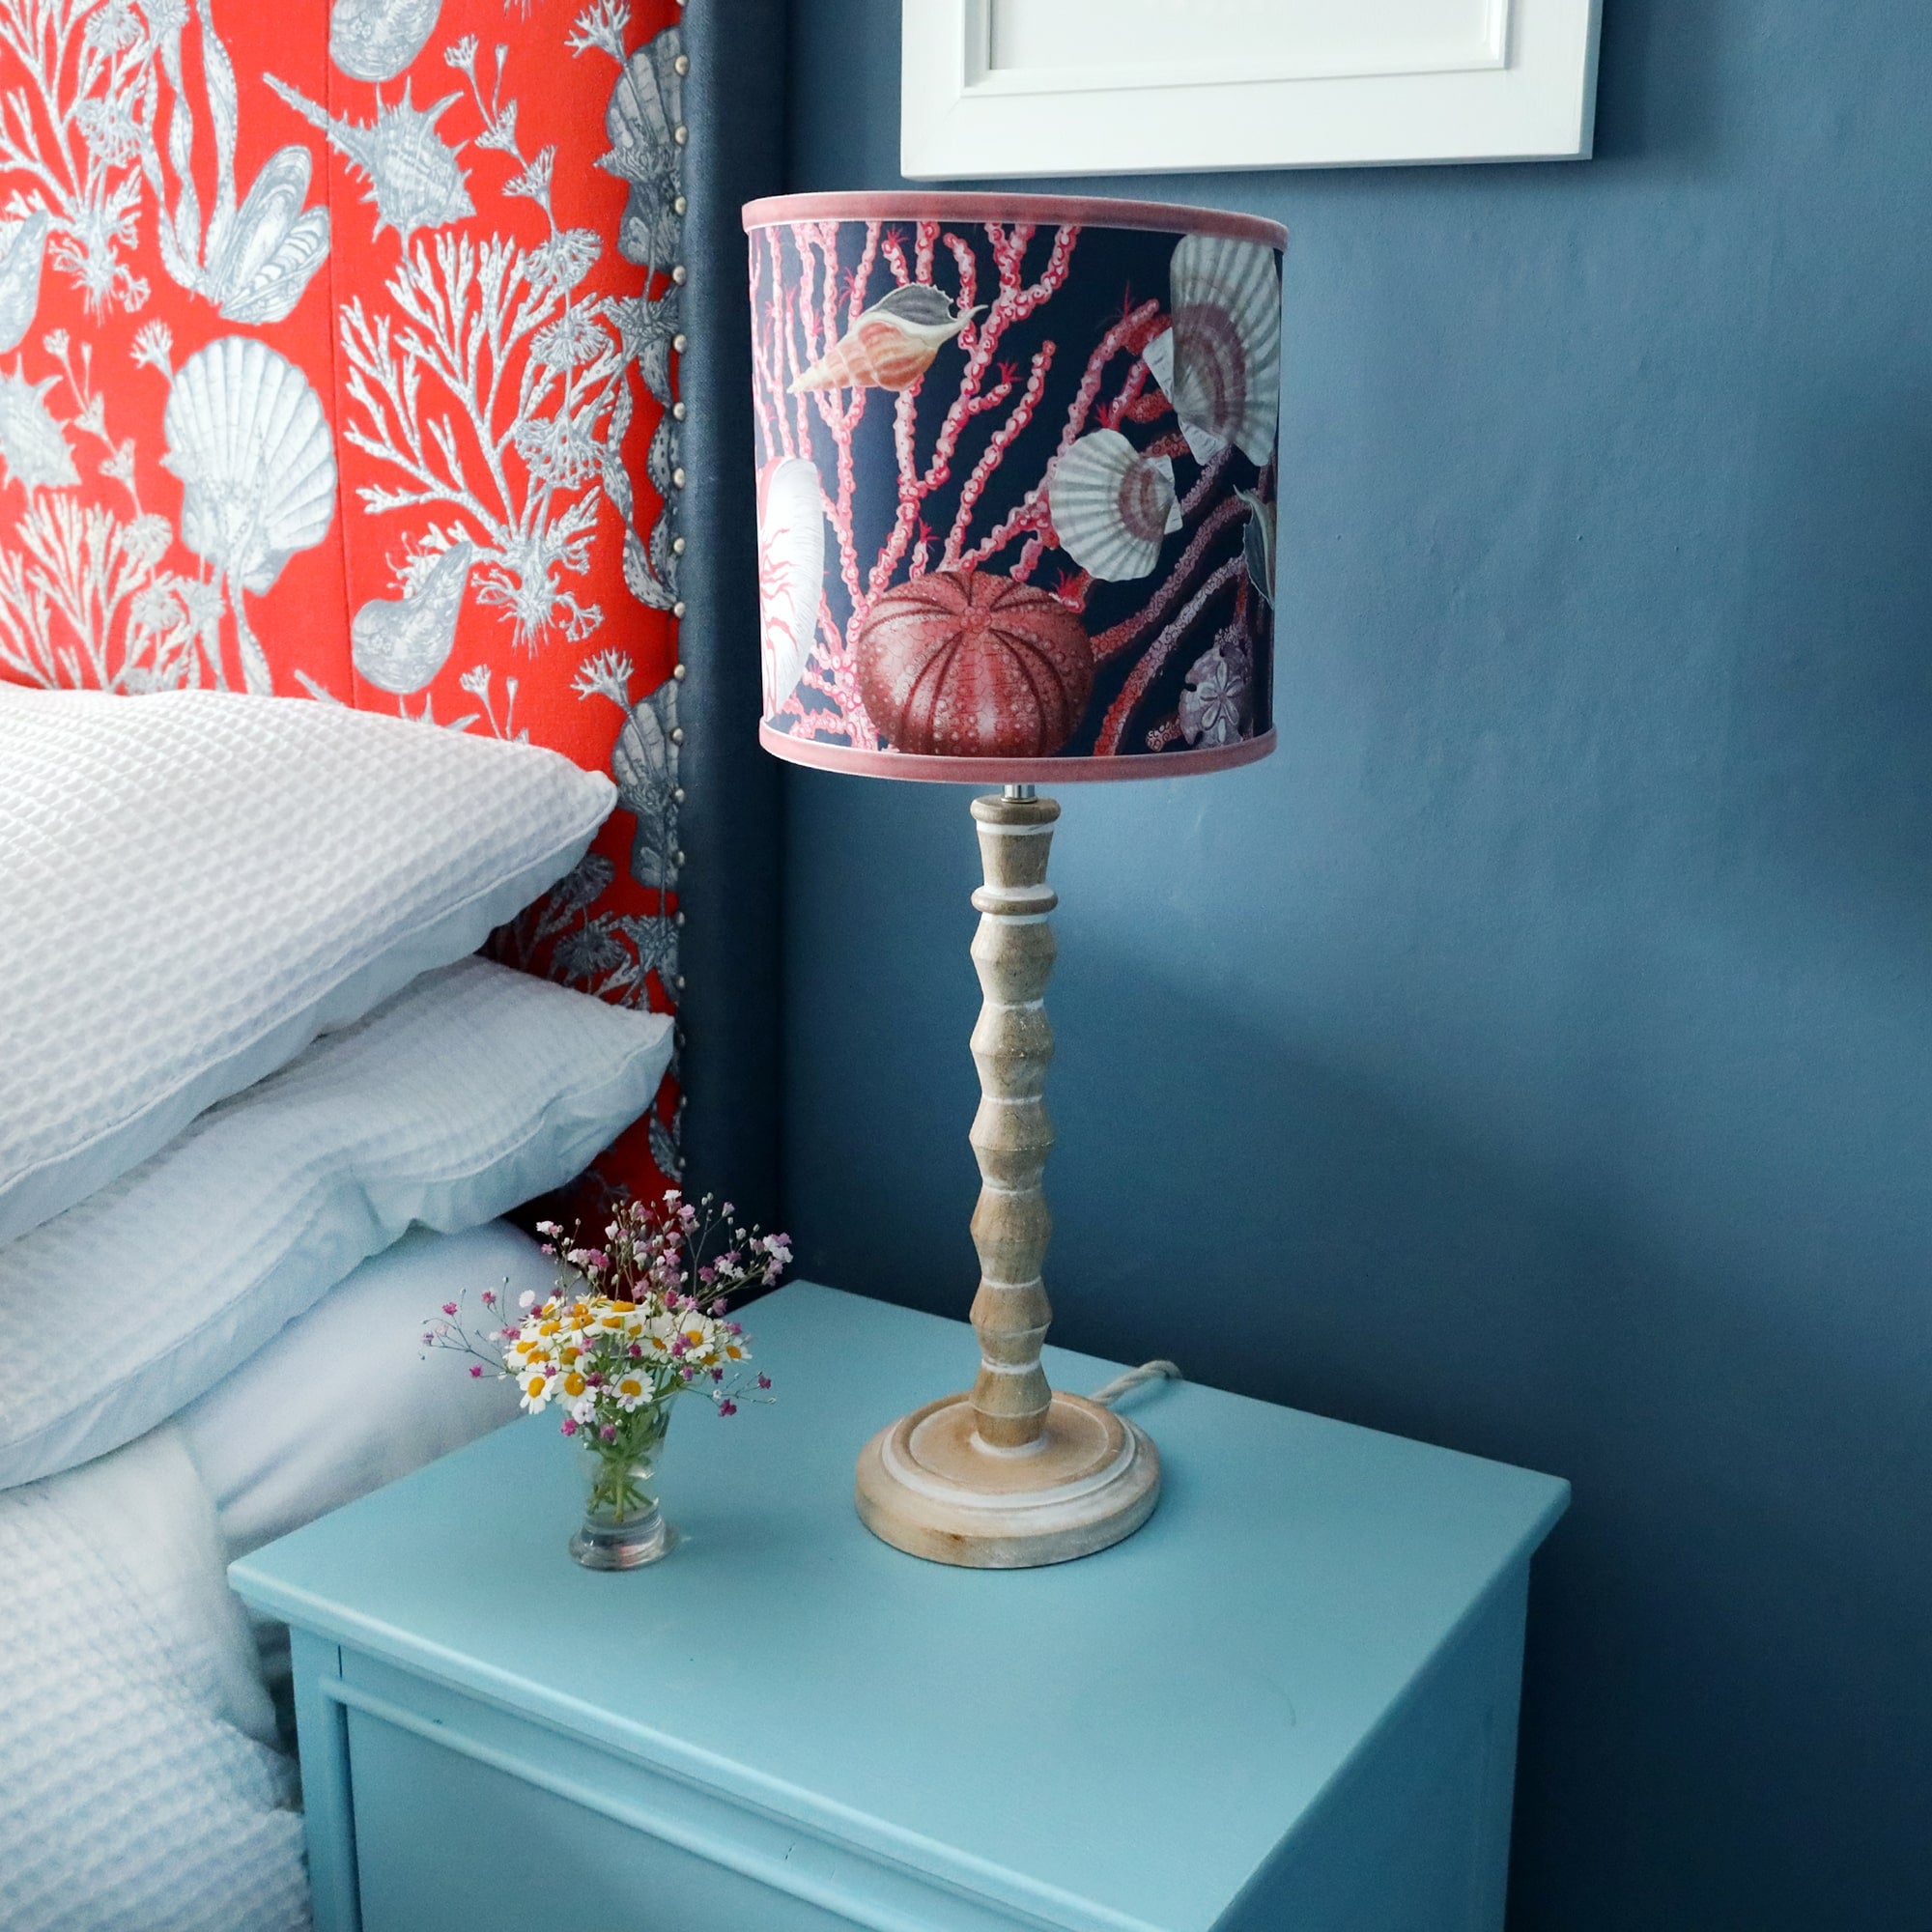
(147, 1769)
(214, 498)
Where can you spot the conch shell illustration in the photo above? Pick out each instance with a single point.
(398, 644)
(1112, 507)
(645, 112)
(32, 448)
(260, 259)
(413, 179)
(891, 345)
(249, 441)
(20, 256)
(1219, 364)
(791, 574)
(375, 39)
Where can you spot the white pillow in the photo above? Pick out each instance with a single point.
(474, 1088)
(347, 1398)
(195, 884)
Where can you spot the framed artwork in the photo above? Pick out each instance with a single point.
(1001, 88)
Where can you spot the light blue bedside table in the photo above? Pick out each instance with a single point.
(1288, 1702)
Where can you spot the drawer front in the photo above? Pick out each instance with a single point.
(465, 1815)
(443, 1839)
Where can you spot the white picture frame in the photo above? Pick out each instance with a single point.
(999, 89)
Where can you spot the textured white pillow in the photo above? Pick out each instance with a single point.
(474, 1088)
(194, 884)
(347, 1398)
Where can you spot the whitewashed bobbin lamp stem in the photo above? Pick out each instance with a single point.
(1010, 1473)
(1015, 489)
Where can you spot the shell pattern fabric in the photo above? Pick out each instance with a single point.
(1017, 484)
(339, 356)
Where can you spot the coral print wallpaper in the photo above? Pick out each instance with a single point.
(1013, 454)
(337, 358)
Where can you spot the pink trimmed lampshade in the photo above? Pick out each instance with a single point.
(1016, 470)
(1016, 484)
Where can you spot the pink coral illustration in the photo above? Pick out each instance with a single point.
(1049, 421)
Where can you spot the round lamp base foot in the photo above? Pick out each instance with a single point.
(929, 1486)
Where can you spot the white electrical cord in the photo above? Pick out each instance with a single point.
(1148, 1371)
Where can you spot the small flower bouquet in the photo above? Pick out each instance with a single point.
(631, 1325)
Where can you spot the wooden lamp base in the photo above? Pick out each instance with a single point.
(1010, 1475)
(928, 1486)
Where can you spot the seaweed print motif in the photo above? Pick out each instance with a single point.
(644, 122)
(253, 262)
(527, 370)
(612, 955)
(83, 599)
(75, 133)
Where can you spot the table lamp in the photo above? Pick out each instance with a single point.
(1015, 500)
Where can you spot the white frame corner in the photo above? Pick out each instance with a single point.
(1520, 87)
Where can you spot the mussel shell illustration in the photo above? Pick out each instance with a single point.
(32, 448)
(20, 255)
(1112, 507)
(248, 438)
(791, 574)
(643, 121)
(1220, 363)
(399, 643)
(375, 39)
(272, 248)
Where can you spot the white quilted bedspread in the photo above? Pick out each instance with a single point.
(140, 1786)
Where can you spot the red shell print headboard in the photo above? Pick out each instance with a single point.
(337, 352)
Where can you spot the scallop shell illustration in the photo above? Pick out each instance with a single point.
(1219, 363)
(20, 255)
(249, 441)
(791, 574)
(32, 448)
(375, 39)
(413, 179)
(399, 643)
(1111, 505)
(643, 122)
(274, 245)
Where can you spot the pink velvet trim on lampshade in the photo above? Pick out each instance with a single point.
(1016, 484)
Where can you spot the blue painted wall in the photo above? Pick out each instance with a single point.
(1536, 1054)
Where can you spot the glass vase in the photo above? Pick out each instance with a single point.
(624, 1526)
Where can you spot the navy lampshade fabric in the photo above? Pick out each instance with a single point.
(1015, 483)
